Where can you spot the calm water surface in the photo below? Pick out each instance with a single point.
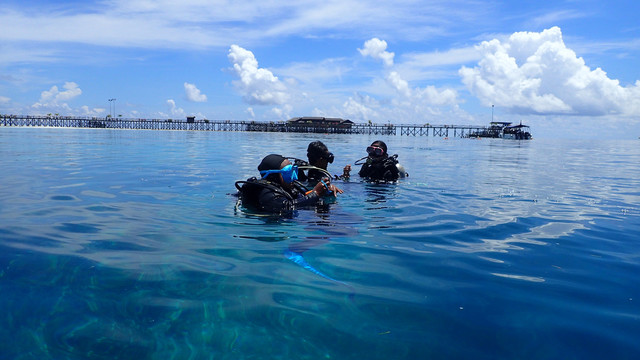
(128, 244)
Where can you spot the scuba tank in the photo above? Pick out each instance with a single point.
(401, 171)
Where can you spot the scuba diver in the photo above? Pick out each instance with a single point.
(379, 166)
(319, 159)
(278, 189)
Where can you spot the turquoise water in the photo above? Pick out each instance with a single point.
(128, 244)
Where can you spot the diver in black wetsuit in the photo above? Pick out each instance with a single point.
(278, 190)
(319, 159)
(379, 166)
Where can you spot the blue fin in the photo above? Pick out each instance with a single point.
(298, 259)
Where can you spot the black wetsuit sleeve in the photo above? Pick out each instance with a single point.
(365, 170)
(272, 201)
(391, 172)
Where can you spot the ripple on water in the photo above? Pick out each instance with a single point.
(79, 228)
(63, 198)
(103, 208)
(513, 249)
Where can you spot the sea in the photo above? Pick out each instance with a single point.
(131, 244)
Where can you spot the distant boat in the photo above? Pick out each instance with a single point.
(504, 130)
(516, 132)
(493, 131)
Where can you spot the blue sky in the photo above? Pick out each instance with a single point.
(567, 68)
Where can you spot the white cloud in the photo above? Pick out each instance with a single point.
(54, 99)
(376, 48)
(398, 101)
(316, 73)
(399, 84)
(417, 97)
(282, 113)
(361, 108)
(54, 95)
(535, 73)
(193, 93)
(174, 110)
(258, 86)
(251, 113)
(85, 110)
(436, 65)
(4, 100)
(197, 23)
(104, 26)
(556, 17)
(457, 56)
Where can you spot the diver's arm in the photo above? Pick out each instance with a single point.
(308, 199)
(346, 172)
(313, 196)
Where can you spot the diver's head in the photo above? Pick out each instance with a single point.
(319, 155)
(377, 149)
(278, 169)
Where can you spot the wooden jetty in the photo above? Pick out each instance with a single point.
(231, 125)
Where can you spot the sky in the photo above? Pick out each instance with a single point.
(568, 69)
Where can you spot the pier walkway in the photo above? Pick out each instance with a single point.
(230, 125)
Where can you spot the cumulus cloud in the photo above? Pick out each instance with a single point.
(251, 113)
(409, 106)
(283, 112)
(377, 49)
(405, 103)
(4, 100)
(399, 84)
(86, 110)
(535, 73)
(193, 93)
(174, 110)
(361, 107)
(55, 99)
(419, 97)
(258, 86)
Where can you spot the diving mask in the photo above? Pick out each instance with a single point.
(375, 150)
(329, 157)
(289, 173)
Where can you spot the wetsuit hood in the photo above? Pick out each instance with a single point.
(381, 144)
(271, 162)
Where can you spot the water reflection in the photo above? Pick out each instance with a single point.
(377, 195)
